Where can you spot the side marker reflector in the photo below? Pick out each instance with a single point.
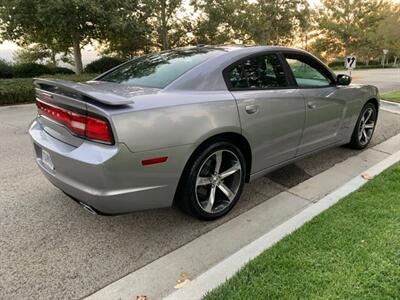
(153, 161)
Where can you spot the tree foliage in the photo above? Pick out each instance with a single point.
(349, 26)
(52, 30)
(58, 24)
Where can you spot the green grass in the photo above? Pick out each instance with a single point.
(351, 251)
(391, 96)
(21, 90)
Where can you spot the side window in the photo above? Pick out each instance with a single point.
(307, 75)
(260, 72)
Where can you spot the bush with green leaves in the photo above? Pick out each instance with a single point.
(26, 70)
(21, 90)
(336, 64)
(61, 70)
(103, 64)
(6, 70)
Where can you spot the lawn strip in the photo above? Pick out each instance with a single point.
(352, 250)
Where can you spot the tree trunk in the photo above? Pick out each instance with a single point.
(164, 31)
(53, 57)
(395, 61)
(77, 56)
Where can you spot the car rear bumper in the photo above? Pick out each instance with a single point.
(111, 179)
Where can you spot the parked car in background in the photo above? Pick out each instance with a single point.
(189, 127)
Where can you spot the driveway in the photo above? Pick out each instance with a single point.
(52, 249)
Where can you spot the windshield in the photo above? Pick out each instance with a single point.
(160, 69)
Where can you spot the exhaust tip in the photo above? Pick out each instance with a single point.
(88, 208)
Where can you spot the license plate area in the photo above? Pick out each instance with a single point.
(46, 160)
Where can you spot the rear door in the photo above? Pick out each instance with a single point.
(324, 109)
(271, 109)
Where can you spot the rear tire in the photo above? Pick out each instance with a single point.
(213, 181)
(365, 127)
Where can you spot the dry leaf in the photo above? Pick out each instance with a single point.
(183, 280)
(181, 284)
(142, 297)
(366, 176)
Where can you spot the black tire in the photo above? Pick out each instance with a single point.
(356, 142)
(188, 191)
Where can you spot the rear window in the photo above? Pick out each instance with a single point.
(160, 69)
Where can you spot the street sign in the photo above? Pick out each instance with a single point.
(350, 62)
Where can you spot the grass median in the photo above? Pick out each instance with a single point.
(21, 90)
(393, 96)
(351, 251)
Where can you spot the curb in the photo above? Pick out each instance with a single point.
(218, 274)
(390, 106)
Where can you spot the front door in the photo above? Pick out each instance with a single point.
(324, 108)
(272, 113)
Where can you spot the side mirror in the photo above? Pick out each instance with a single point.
(343, 79)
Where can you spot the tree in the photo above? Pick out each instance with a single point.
(277, 21)
(348, 26)
(168, 29)
(129, 33)
(388, 32)
(61, 23)
(261, 22)
(39, 52)
(222, 21)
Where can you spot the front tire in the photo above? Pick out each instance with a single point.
(365, 127)
(213, 181)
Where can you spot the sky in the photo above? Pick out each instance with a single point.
(89, 53)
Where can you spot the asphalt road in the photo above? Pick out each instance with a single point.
(385, 79)
(53, 249)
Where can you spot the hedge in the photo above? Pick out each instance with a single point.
(103, 64)
(21, 90)
(6, 70)
(28, 70)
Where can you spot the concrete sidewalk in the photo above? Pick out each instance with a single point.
(158, 279)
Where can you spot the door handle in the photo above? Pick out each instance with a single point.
(251, 108)
(311, 105)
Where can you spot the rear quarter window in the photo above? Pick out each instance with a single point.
(160, 69)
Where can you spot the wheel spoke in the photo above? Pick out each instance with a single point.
(369, 126)
(232, 170)
(211, 199)
(228, 193)
(368, 116)
(203, 181)
(364, 133)
(218, 161)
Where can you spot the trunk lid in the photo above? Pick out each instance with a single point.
(92, 98)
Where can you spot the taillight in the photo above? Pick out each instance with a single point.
(90, 127)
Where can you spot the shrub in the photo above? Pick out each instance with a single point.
(336, 64)
(6, 70)
(16, 91)
(61, 70)
(103, 64)
(21, 90)
(26, 70)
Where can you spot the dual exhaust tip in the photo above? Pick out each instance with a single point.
(88, 208)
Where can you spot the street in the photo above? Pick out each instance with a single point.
(52, 248)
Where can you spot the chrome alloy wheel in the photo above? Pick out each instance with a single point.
(366, 126)
(218, 181)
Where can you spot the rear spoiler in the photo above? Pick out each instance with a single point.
(80, 90)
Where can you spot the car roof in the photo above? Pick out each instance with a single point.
(208, 75)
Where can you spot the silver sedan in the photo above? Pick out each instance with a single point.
(188, 127)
